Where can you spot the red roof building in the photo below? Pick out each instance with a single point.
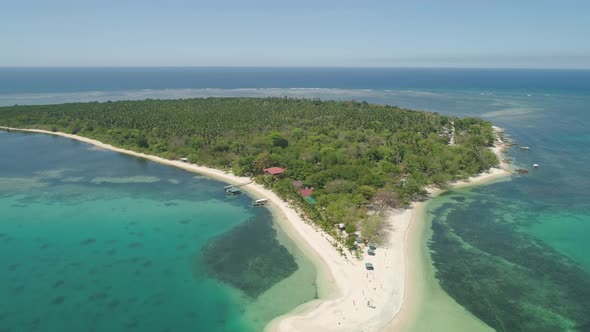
(306, 192)
(274, 170)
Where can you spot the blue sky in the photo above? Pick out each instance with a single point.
(421, 33)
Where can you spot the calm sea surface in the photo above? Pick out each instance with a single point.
(93, 240)
(513, 253)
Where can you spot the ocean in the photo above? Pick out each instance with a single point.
(513, 254)
(93, 240)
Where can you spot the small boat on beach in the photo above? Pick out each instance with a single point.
(236, 185)
(260, 202)
(233, 191)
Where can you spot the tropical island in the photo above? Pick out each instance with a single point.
(342, 177)
(336, 159)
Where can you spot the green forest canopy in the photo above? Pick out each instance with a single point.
(353, 153)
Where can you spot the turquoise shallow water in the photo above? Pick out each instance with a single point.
(92, 240)
(516, 253)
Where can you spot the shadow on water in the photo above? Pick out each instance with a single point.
(249, 257)
(507, 278)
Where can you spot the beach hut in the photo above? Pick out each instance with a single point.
(311, 200)
(274, 170)
(306, 192)
(369, 266)
(233, 191)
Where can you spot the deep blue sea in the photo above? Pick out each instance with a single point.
(520, 247)
(47, 80)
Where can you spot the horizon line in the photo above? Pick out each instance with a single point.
(293, 67)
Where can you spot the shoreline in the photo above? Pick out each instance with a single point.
(416, 247)
(350, 297)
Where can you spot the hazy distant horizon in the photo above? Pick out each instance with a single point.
(306, 33)
(294, 67)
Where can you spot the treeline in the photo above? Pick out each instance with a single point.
(353, 153)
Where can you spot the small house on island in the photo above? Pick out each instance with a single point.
(274, 170)
(311, 200)
(306, 192)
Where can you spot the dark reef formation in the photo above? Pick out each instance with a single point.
(249, 257)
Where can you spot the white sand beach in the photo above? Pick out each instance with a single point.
(351, 298)
(417, 277)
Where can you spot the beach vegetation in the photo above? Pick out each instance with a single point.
(355, 155)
